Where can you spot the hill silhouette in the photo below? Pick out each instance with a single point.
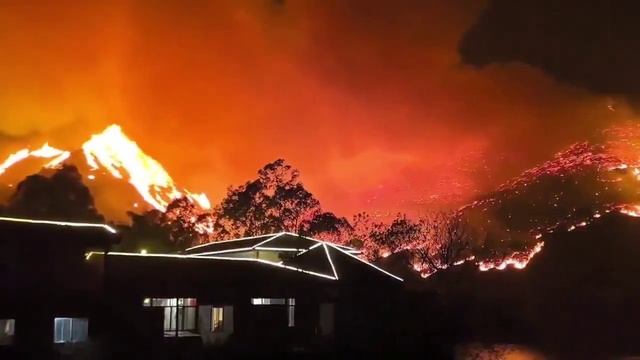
(578, 294)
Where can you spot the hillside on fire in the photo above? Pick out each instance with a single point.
(494, 271)
(430, 179)
(501, 229)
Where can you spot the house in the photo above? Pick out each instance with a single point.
(48, 290)
(278, 291)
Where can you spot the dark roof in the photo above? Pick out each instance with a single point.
(279, 241)
(90, 234)
(307, 255)
(236, 244)
(287, 241)
(196, 276)
(331, 260)
(315, 259)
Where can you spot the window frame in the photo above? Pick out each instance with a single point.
(73, 321)
(8, 331)
(268, 301)
(178, 314)
(291, 312)
(217, 326)
(288, 303)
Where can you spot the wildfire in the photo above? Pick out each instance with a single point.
(120, 156)
(113, 151)
(518, 260)
(612, 170)
(44, 152)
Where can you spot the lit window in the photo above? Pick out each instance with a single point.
(268, 301)
(179, 314)
(70, 330)
(7, 331)
(291, 312)
(217, 319)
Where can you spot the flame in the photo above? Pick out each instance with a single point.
(120, 156)
(631, 210)
(200, 199)
(518, 260)
(44, 152)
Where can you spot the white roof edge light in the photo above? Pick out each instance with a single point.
(230, 240)
(60, 223)
(368, 263)
(180, 256)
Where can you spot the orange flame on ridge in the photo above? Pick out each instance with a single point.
(518, 260)
(114, 151)
(44, 152)
(122, 158)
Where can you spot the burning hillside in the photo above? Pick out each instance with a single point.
(571, 190)
(507, 226)
(112, 154)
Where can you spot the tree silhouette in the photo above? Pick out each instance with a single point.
(327, 226)
(62, 196)
(377, 239)
(147, 231)
(447, 239)
(185, 223)
(275, 201)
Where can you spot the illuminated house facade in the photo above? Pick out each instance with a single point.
(280, 291)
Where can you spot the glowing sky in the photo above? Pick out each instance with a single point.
(369, 99)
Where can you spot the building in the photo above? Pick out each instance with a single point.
(45, 282)
(281, 292)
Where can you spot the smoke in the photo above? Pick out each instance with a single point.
(369, 99)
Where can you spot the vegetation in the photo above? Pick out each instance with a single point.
(276, 200)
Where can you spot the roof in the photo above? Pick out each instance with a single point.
(283, 241)
(89, 233)
(307, 255)
(332, 260)
(226, 245)
(59, 223)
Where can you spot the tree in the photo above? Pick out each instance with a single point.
(275, 201)
(400, 234)
(447, 240)
(377, 239)
(62, 196)
(180, 226)
(146, 232)
(327, 226)
(185, 223)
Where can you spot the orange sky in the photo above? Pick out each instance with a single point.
(367, 98)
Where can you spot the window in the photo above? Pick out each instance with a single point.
(70, 330)
(7, 331)
(290, 302)
(217, 319)
(267, 301)
(179, 314)
(291, 312)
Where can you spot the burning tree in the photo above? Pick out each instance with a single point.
(447, 240)
(377, 239)
(183, 224)
(186, 223)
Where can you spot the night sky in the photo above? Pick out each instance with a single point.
(383, 105)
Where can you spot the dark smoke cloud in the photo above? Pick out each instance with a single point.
(593, 44)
